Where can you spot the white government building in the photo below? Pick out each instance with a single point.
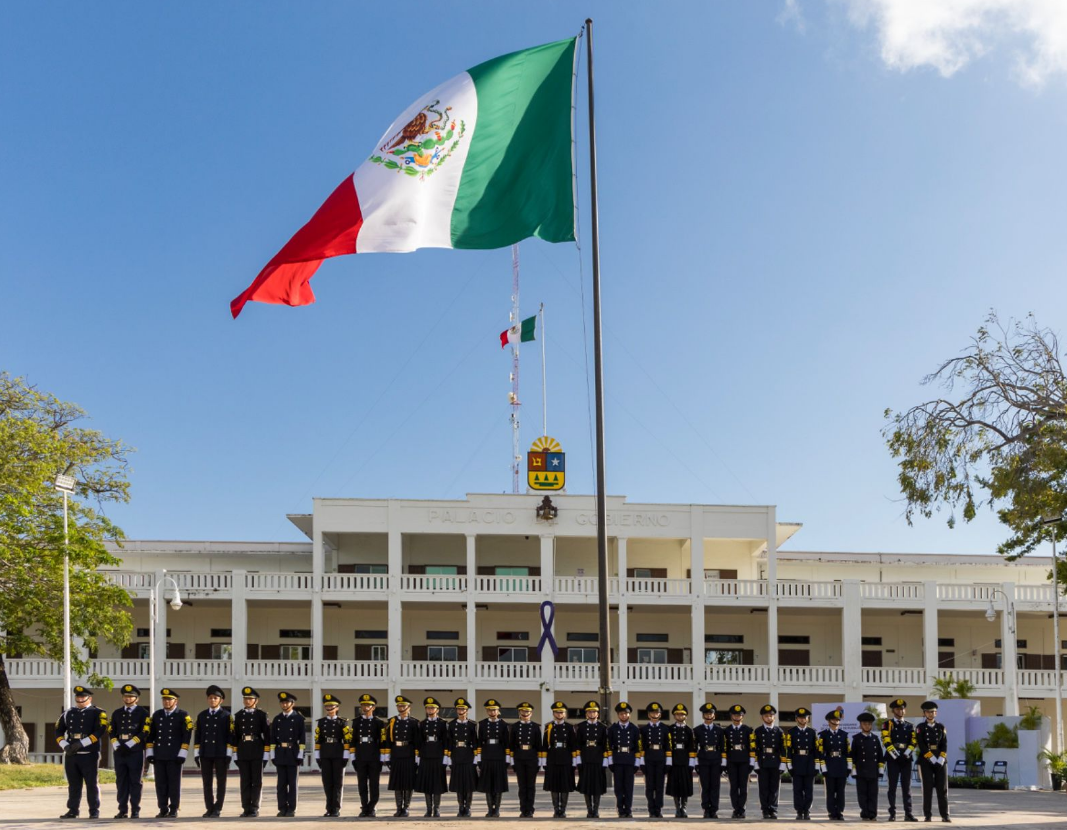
(444, 597)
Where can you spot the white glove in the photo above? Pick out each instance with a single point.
(86, 741)
(909, 752)
(894, 753)
(541, 762)
(606, 762)
(640, 762)
(64, 744)
(692, 762)
(183, 753)
(300, 757)
(576, 762)
(511, 760)
(347, 755)
(229, 752)
(150, 752)
(822, 766)
(668, 760)
(852, 775)
(268, 756)
(943, 761)
(114, 743)
(447, 762)
(383, 758)
(783, 767)
(416, 760)
(751, 763)
(317, 755)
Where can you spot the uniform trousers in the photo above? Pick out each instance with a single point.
(368, 774)
(803, 791)
(333, 781)
(251, 784)
(129, 780)
(655, 781)
(623, 775)
(770, 781)
(738, 772)
(287, 787)
(526, 776)
(934, 778)
(83, 768)
(169, 783)
(899, 769)
(835, 795)
(213, 777)
(867, 797)
(710, 785)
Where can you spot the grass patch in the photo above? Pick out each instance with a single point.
(24, 776)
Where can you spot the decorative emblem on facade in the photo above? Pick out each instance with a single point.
(545, 465)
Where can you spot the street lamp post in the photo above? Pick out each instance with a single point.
(1050, 522)
(153, 614)
(1009, 612)
(65, 485)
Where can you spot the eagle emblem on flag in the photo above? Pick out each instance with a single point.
(423, 144)
(546, 467)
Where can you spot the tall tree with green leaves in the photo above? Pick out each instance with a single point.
(40, 438)
(995, 436)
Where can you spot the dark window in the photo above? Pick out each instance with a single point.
(1018, 644)
(222, 632)
(583, 655)
(143, 632)
(794, 639)
(439, 654)
(518, 654)
(652, 638)
(724, 638)
(442, 635)
(513, 635)
(787, 716)
(870, 641)
(371, 634)
(946, 642)
(370, 569)
(295, 633)
(582, 637)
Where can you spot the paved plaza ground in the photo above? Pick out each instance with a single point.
(41, 807)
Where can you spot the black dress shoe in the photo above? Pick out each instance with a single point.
(910, 817)
(122, 814)
(209, 814)
(136, 812)
(946, 819)
(928, 819)
(246, 814)
(97, 815)
(162, 814)
(69, 814)
(172, 813)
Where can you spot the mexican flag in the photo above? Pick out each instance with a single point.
(522, 333)
(481, 161)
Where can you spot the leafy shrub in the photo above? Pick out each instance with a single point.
(1002, 736)
(977, 782)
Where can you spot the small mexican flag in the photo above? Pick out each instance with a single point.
(481, 161)
(522, 333)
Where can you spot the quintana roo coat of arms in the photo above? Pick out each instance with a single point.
(423, 144)
(545, 465)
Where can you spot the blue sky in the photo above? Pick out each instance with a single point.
(802, 211)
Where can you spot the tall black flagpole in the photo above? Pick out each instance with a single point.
(598, 370)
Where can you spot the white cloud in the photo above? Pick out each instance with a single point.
(949, 34)
(791, 14)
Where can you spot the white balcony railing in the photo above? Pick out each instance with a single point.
(1036, 679)
(355, 583)
(894, 678)
(508, 584)
(277, 669)
(507, 671)
(354, 669)
(202, 581)
(796, 589)
(811, 675)
(273, 582)
(33, 668)
(1033, 593)
(659, 673)
(433, 670)
(981, 678)
(966, 593)
(738, 675)
(892, 590)
(572, 585)
(736, 588)
(120, 669)
(210, 669)
(131, 580)
(657, 587)
(432, 584)
(578, 672)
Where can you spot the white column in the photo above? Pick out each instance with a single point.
(696, 605)
(317, 562)
(772, 602)
(548, 659)
(852, 640)
(239, 636)
(162, 607)
(930, 667)
(1008, 640)
(623, 663)
(396, 565)
(472, 624)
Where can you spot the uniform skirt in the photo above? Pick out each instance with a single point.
(493, 777)
(402, 774)
(592, 778)
(464, 778)
(430, 776)
(680, 779)
(559, 778)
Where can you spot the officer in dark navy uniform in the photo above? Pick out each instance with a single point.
(431, 778)
(624, 748)
(251, 737)
(834, 763)
(561, 757)
(681, 760)
(932, 747)
(287, 738)
(369, 752)
(800, 745)
(771, 760)
(333, 743)
(170, 731)
(867, 766)
(461, 750)
(654, 744)
(710, 757)
(740, 757)
(128, 733)
(79, 732)
(212, 750)
(524, 753)
(401, 745)
(898, 740)
(492, 758)
(592, 737)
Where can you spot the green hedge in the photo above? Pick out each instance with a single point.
(977, 782)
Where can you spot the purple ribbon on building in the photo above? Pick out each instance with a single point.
(546, 629)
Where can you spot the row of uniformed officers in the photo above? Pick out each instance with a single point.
(433, 756)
